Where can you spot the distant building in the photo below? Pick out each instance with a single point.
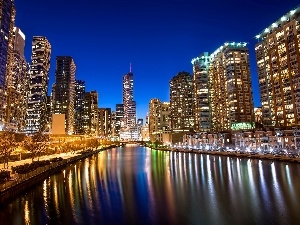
(104, 121)
(201, 92)
(64, 93)
(278, 63)
(119, 119)
(91, 113)
(159, 121)
(38, 87)
(230, 87)
(181, 105)
(79, 107)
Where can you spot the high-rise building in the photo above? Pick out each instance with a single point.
(159, 121)
(104, 120)
(17, 84)
(79, 106)
(181, 105)
(7, 19)
(230, 86)
(38, 86)
(91, 113)
(278, 62)
(129, 104)
(201, 92)
(64, 94)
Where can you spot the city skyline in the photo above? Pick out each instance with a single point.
(159, 39)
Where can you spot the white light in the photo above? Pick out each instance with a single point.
(267, 30)
(283, 18)
(257, 36)
(292, 12)
(274, 25)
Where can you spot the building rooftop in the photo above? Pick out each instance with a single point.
(278, 23)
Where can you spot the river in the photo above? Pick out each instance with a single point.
(137, 185)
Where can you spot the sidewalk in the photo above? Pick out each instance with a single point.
(45, 157)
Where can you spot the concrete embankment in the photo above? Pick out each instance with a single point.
(234, 154)
(23, 182)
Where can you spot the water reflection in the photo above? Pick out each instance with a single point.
(135, 185)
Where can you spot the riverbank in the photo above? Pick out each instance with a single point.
(21, 182)
(234, 154)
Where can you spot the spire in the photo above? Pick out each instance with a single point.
(130, 69)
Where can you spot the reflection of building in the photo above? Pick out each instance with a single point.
(159, 121)
(64, 94)
(79, 107)
(7, 19)
(91, 113)
(230, 86)
(104, 121)
(38, 87)
(181, 105)
(201, 92)
(278, 62)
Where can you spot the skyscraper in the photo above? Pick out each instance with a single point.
(119, 119)
(129, 104)
(182, 102)
(201, 92)
(17, 84)
(64, 94)
(230, 86)
(38, 86)
(7, 19)
(79, 106)
(278, 62)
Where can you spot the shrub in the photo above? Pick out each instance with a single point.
(4, 175)
(28, 167)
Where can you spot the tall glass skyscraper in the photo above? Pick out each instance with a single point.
(129, 104)
(7, 19)
(17, 85)
(38, 86)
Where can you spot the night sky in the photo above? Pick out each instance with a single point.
(159, 38)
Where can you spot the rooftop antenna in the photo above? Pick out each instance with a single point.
(130, 69)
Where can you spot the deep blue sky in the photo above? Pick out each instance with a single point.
(159, 38)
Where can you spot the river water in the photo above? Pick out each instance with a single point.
(136, 185)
